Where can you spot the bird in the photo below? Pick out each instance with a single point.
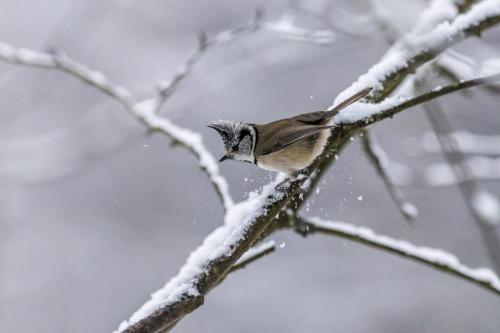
(287, 145)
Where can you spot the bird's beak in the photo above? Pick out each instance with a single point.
(223, 158)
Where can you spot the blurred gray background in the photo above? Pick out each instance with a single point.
(95, 213)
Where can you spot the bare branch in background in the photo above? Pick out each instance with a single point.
(284, 28)
(205, 44)
(435, 258)
(143, 111)
(484, 208)
(379, 160)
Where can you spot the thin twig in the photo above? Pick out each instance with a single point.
(284, 28)
(254, 253)
(205, 44)
(379, 160)
(434, 258)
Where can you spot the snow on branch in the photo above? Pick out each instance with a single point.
(415, 49)
(211, 261)
(143, 110)
(378, 158)
(361, 115)
(435, 258)
(254, 253)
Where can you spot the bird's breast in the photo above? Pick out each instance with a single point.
(295, 157)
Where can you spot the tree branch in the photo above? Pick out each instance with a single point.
(254, 253)
(434, 258)
(379, 160)
(415, 49)
(284, 28)
(205, 44)
(362, 115)
(144, 110)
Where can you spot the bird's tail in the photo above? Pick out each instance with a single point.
(350, 100)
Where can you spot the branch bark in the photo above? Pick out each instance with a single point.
(376, 156)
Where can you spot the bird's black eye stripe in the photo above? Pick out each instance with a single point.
(243, 133)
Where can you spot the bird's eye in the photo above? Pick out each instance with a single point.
(243, 133)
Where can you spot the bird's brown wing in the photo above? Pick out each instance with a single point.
(313, 118)
(322, 117)
(288, 136)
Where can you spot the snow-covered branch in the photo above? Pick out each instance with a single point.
(254, 253)
(362, 115)
(379, 159)
(144, 110)
(435, 258)
(211, 261)
(415, 49)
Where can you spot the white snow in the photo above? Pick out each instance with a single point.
(398, 55)
(486, 206)
(435, 256)
(256, 251)
(409, 210)
(25, 56)
(218, 243)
